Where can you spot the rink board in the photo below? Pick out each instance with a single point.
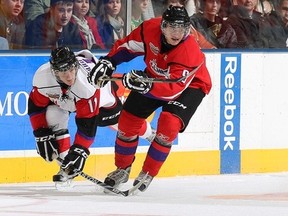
(35, 169)
(238, 128)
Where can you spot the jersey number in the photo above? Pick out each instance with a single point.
(92, 104)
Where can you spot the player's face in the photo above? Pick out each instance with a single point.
(62, 13)
(81, 8)
(68, 77)
(174, 34)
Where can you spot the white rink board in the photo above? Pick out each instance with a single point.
(263, 105)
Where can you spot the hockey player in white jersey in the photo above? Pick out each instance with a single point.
(60, 87)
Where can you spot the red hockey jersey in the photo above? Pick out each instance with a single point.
(173, 64)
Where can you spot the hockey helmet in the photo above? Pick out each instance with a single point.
(176, 16)
(62, 59)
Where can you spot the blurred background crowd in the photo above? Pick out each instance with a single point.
(97, 24)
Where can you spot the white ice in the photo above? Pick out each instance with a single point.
(217, 195)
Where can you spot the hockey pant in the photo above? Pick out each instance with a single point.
(57, 120)
(110, 108)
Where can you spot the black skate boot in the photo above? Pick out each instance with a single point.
(62, 180)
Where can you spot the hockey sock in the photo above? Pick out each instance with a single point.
(167, 130)
(125, 152)
(155, 158)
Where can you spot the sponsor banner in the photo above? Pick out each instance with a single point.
(230, 113)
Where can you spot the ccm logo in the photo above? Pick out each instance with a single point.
(45, 138)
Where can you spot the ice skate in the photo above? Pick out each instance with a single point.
(62, 181)
(146, 183)
(117, 177)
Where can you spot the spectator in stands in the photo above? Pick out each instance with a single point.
(110, 24)
(278, 19)
(158, 7)
(4, 44)
(191, 6)
(87, 25)
(217, 31)
(54, 28)
(246, 21)
(226, 7)
(138, 8)
(265, 7)
(34, 8)
(254, 30)
(12, 25)
(93, 8)
(283, 12)
(272, 29)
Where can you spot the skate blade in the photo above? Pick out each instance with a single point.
(64, 186)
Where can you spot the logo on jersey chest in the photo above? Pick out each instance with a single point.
(154, 49)
(58, 97)
(157, 70)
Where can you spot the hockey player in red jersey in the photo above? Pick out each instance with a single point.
(59, 88)
(170, 52)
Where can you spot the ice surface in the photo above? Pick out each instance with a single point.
(219, 195)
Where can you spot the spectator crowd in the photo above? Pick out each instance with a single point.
(97, 24)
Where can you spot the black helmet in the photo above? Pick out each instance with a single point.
(176, 15)
(62, 59)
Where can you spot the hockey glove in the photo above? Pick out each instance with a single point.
(75, 160)
(103, 69)
(46, 144)
(132, 81)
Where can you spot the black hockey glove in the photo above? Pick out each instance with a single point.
(46, 144)
(132, 81)
(75, 160)
(103, 69)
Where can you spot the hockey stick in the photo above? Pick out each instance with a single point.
(156, 80)
(108, 187)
